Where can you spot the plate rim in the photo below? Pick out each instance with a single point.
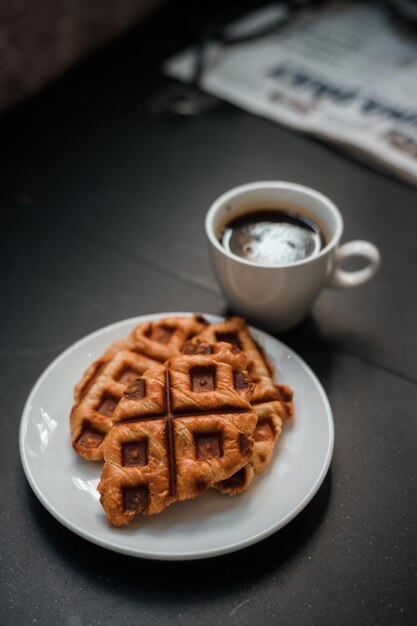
(172, 556)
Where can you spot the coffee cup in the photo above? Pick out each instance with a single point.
(278, 294)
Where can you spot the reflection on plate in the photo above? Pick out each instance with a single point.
(213, 523)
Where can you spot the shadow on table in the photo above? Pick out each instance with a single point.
(322, 343)
(310, 341)
(139, 578)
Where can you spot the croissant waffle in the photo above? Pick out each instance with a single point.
(272, 403)
(104, 382)
(165, 338)
(178, 430)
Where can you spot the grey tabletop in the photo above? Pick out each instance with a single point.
(102, 207)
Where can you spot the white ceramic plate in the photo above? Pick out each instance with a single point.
(213, 523)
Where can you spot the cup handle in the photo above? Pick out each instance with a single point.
(342, 278)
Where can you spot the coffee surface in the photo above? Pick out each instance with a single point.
(272, 237)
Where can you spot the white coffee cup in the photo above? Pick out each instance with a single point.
(277, 297)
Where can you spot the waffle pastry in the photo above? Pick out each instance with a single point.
(272, 403)
(104, 382)
(179, 429)
(165, 338)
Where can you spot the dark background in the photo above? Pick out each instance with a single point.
(102, 206)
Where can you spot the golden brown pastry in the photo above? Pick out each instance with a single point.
(178, 430)
(165, 338)
(104, 382)
(97, 396)
(272, 403)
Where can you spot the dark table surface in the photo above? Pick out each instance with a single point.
(102, 208)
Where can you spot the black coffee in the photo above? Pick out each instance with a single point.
(272, 237)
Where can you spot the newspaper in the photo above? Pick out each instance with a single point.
(346, 72)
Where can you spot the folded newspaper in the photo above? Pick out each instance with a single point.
(346, 72)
